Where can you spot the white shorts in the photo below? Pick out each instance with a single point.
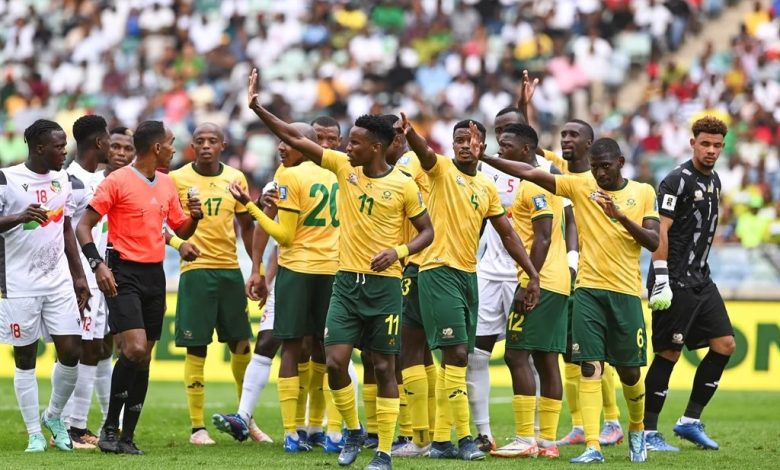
(495, 302)
(25, 319)
(95, 324)
(267, 320)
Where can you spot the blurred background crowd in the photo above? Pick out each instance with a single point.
(186, 62)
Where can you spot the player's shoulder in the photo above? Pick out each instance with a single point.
(640, 188)
(76, 182)
(486, 179)
(182, 172)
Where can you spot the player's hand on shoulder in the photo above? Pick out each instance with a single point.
(105, 280)
(384, 260)
(34, 213)
(189, 252)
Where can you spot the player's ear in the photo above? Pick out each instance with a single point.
(621, 161)
(693, 142)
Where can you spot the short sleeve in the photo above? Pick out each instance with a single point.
(333, 160)
(241, 182)
(105, 196)
(413, 201)
(539, 203)
(556, 160)
(495, 208)
(565, 184)
(407, 164)
(289, 192)
(176, 215)
(3, 189)
(651, 204)
(439, 168)
(669, 192)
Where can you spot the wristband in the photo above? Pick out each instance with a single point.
(90, 251)
(176, 242)
(660, 267)
(402, 251)
(574, 259)
(261, 270)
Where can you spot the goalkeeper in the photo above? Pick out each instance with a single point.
(687, 307)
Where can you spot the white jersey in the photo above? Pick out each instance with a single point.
(496, 264)
(32, 256)
(84, 184)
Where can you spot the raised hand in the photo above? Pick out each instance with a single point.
(406, 126)
(608, 205)
(527, 89)
(252, 88)
(239, 193)
(476, 145)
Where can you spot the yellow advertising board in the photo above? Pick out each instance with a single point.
(754, 366)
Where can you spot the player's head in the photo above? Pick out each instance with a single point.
(707, 141)
(505, 117)
(606, 161)
(46, 144)
(91, 134)
(153, 140)
(369, 139)
(518, 142)
(121, 150)
(461, 140)
(288, 155)
(208, 142)
(576, 137)
(398, 146)
(328, 132)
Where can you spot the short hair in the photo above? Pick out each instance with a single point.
(464, 124)
(509, 109)
(87, 127)
(587, 127)
(326, 121)
(709, 125)
(121, 130)
(524, 131)
(39, 131)
(147, 134)
(390, 118)
(378, 127)
(605, 145)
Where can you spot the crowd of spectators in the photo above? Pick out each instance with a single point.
(186, 62)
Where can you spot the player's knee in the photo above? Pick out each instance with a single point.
(455, 356)
(513, 358)
(670, 355)
(197, 351)
(336, 367)
(629, 375)
(25, 360)
(725, 345)
(591, 370)
(266, 345)
(383, 368)
(134, 352)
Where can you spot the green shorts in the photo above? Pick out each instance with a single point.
(543, 329)
(301, 303)
(569, 313)
(209, 299)
(365, 311)
(412, 317)
(449, 303)
(608, 326)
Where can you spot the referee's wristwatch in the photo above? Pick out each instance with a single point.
(94, 263)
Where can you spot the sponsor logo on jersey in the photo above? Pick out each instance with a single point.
(698, 195)
(25, 186)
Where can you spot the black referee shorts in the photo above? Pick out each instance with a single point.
(140, 300)
(697, 315)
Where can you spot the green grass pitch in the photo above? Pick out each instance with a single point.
(746, 424)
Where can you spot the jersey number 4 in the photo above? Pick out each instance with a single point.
(325, 198)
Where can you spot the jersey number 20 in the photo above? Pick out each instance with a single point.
(325, 198)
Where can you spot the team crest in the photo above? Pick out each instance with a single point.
(698, 195)
(459, 179)
(352, 178)
(447, 333)
(55, 186)
(282, 193)
(631, 202)
(540, 202)
(387, 195)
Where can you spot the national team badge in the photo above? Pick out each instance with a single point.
(459, 179)
(352, 178)
(540, 202)
(55, 186)
(387, 195)
(282, 193)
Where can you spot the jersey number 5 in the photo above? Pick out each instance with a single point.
(326, 198)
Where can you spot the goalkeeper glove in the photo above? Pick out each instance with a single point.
(661, 295)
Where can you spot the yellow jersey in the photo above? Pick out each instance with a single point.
(609, 258)
(409, 164)
(310, 191)
(458, 204)
(216, 235)
(531, 203)
(372, 212)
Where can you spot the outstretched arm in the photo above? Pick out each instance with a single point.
(283, 231)
(418, 145)
(285, 131)
(522, 170)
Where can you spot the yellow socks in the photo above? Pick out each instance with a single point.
(611, 410)
(334, 417)
(304, 375)
(635, 399)
(549, 413)
(316, 395)
(386, 417)
(441, 432)
(238, 363)
(455, 385)
(345, 402)
(416, 387)
(571, 388)
(524, 407)
(369, 405)
(433, 374)
(289, 388)
(404, 416)
(590, 402)
(195, 388)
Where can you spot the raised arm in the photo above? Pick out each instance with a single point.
(418, 145)
(285, 131)
(515, 248)
(522, 170)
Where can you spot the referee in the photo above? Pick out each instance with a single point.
(687, 307)
(138, 201)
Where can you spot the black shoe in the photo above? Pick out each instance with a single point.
(127, 446)
(109, 439)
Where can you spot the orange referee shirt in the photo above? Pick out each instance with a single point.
(137, 209)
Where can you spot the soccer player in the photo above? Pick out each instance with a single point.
(365, 308)
(41, 269)
(537, 216)
(211, 286)
(307, 234)
(617, 218)
(687, 307)
(138, 200)
(460, 199)
(92, 148)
